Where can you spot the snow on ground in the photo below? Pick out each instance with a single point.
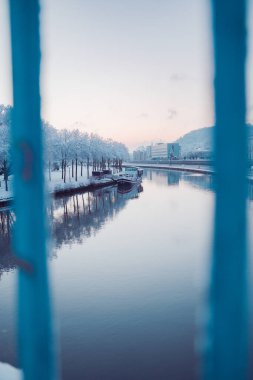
(7, 372)
(55, 182)
(3, 193)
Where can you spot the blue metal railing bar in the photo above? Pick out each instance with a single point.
(35, 337)
(227, 357)
(228, 335)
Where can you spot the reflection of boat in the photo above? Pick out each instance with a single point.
(136, 188)
(129, 177)
(102, 191)
(129, 193)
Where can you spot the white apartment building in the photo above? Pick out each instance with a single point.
(159, 150)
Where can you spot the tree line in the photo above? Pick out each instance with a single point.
(64, 148)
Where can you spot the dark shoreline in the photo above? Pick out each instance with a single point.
(81, 189)
(93, 186)
(73, 190)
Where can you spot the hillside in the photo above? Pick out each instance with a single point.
(199, 140)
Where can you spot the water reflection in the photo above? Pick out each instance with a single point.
(200, 181)
(78, 217)
(73, 219)
(7, 260)
(173, 178)
(127, 299)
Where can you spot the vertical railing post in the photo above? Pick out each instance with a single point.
(228, 342)
(34, 311)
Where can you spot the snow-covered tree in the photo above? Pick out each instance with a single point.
(5, 120)
(65, 144)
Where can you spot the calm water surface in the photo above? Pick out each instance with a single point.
(128, 274)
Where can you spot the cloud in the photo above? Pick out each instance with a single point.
(143, 116)
(177, 77)
(172, 113)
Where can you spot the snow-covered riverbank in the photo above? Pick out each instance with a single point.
(204, 169)
(201, 169)
(56, 185)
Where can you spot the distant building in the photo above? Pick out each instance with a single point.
(140, 155)
(165, 151)
(159, 151)
(174, 150)
(148, 152)
(250, 147)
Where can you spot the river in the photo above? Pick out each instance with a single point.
(129, 274)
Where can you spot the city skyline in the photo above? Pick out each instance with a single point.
(136, 72)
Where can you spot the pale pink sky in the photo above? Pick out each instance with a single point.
(136, 71)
